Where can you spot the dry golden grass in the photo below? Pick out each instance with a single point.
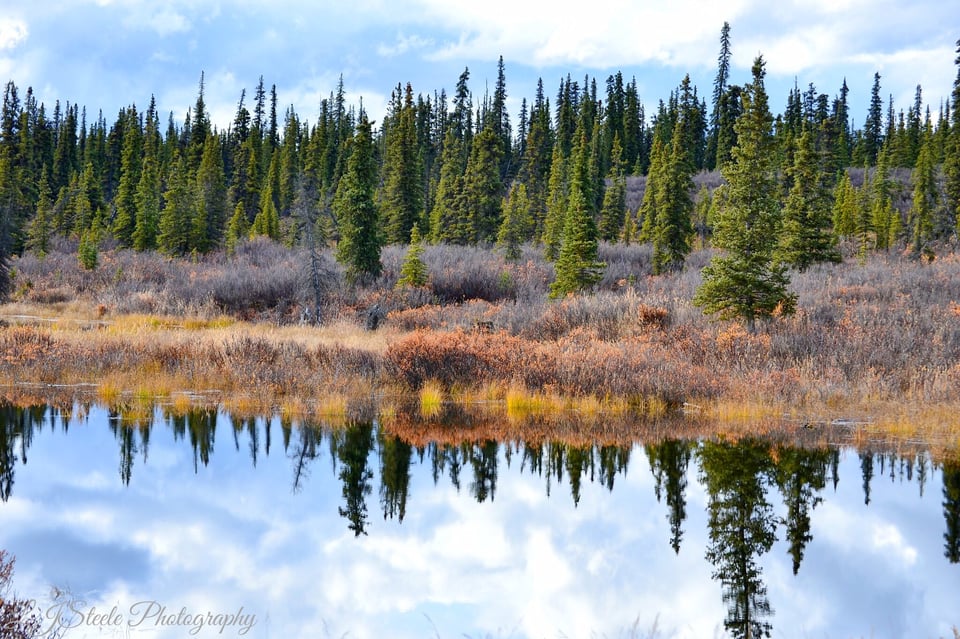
(431, 400)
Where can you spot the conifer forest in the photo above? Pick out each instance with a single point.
(457, 169)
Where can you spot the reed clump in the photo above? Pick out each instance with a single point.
(431, 399)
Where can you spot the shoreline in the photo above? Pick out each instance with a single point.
(307, 375)
(874, 342)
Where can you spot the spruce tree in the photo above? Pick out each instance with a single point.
(356, 210)
(291, 165)
(130, 167)
(863, 220)
(447, 215)
(806, 237)
(38, 236)
(413, 272)
(147, 197)
(951, 161)
(500, 120)
(923, 206)
(672, 225)
(872, 127)
(87, 200)
(615, 196)
(10, 196)
(577, 265)
(535, 162)
(719, 91)
(845, 203)
(656, 178)
(483, 190)
(743, 281)
(88, 254)
(173, 237)
(210, 209)
(402, 201)
(516, 222)
(886, 220)
(267, 221)
(237, 228)
(557, 200)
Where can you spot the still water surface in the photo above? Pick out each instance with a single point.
(207, 526)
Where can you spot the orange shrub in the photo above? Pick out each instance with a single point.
(452, 358)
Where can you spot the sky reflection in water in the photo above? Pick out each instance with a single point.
(287, 540)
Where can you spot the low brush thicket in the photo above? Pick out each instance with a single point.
(886, 330)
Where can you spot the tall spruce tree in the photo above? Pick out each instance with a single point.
(743, 281)
(210, 208)
(873, 125)
(886, 219)
(354, 205)
(447, 214)
(500, 117)
(177, 215)
(557, 199)
(806, 237)
(656, 177)
(951, 161)
(577, 265)
(267, 220)
(672, 224)
(924, 203)
(147, 197)
(615, 195)
(130, 166)
(483, 190)
(719, 91)
(535, 162)
(402, 201)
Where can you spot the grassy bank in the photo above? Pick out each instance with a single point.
(875, 342)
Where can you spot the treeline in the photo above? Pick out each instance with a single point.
(455, 169)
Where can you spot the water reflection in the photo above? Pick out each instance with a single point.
(352, 447)
(755, 492)
(742, 528)
(951, 510)
(668, 463)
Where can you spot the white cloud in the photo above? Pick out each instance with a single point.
(403, 44)
(611, 33)
(887, 538)
(13, 33)
(164, 21)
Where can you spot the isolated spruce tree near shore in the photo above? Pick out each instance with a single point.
(743, 281)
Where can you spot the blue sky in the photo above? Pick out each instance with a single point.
(106, 54)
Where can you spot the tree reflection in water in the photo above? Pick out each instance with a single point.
(740, 479)
(742, 527)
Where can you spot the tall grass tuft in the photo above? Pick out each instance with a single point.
(431, 399)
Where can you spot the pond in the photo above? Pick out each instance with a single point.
(204, 525)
